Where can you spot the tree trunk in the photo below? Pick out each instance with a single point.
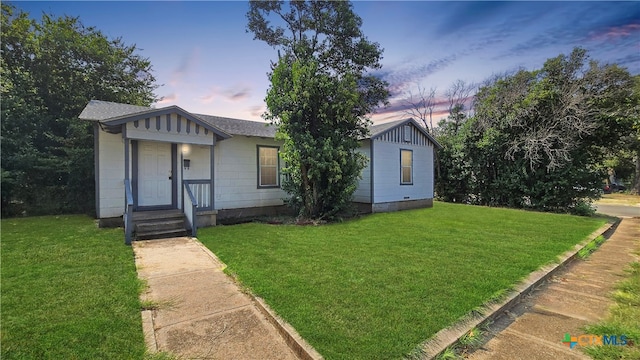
(636, 183)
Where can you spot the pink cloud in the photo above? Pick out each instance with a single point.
(615, 32)
(167, 99)
(208, 98)
(257, 110)
(234, 94)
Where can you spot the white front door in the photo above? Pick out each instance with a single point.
(154, 174)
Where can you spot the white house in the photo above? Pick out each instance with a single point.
(211, 169)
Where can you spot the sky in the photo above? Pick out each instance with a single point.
(207, 63)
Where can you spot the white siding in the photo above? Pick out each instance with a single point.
(363, 192)
(386, 168)
(236, 175)
(111, 172)
(200, 167)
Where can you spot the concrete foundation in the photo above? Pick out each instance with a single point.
(113, 222)
(234, 216)
(207, 218)
(402, 205)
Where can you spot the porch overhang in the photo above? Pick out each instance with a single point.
(157, 116)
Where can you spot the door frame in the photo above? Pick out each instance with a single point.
(134, 178)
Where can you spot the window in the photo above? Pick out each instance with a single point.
(406, 167)
(268, 166)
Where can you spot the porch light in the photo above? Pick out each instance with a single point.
(186, 149)
(187, 163)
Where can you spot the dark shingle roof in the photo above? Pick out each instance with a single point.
(98, 110)
(381, 128)
(240, 127)
(102, 110)
(105, 110)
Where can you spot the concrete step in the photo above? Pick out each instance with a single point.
(157, 215)
(159, 224)
(161, 234)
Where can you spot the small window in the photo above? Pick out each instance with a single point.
(407, 133)
(406, 167)
(268, 166)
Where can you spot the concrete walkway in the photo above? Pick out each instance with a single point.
(576, 296)
(200, 312)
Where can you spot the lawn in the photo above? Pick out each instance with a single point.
(378, 286)
(69, 291)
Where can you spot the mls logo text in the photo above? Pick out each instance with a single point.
(594, 340)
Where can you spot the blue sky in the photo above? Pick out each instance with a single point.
(207, 63)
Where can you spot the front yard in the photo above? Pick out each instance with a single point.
(369, 288)
(69, 291)
(378, 286)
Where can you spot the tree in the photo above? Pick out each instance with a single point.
(623, 156)
(319, 97)
(50, 70)
(538, 138)
(454, 168)
(459, 93)
(421, 105)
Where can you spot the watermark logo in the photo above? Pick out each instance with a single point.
(594, 340)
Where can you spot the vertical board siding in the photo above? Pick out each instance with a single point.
(396, 135)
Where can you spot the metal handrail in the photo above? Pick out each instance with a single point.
(128, 214)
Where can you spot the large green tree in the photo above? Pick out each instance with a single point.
(321, 92)
(538, 138)
(50, 69)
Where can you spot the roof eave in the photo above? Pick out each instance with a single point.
(119, 120)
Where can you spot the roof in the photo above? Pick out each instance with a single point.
(379, 129)
(240, 127)
(102, 110)
(115, 113)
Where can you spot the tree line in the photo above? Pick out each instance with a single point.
(544, 139)
(50, 69)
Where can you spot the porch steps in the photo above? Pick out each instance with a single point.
(158, 224)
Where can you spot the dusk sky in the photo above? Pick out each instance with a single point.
(207, 63)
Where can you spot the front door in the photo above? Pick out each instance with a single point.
(154, 174)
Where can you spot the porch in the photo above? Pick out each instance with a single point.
(196, 211)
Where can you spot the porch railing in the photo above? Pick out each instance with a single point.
(191, 209)
(201, 190)
(128, 212)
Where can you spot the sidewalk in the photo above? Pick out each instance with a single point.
(576, 296)
(200, 313)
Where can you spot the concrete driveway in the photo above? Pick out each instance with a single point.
(623, 211)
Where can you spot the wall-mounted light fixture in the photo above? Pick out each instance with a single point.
(187, 163)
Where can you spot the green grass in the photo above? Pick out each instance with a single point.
(378, 286)
(623, 319)
(592, 246)
(69, 291)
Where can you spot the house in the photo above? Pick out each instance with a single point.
(211, 169)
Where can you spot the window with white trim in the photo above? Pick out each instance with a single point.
(406, 167)
(268, 169)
